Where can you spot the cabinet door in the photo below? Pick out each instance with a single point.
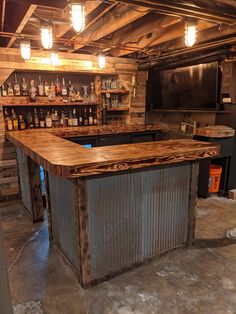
(114, 139)
(143, 137)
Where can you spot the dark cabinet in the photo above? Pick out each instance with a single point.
(143, 137)
(118, 139)
(87, 141)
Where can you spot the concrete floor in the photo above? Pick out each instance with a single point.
(195, 280)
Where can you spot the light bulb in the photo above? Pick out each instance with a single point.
(54, 58)
(101, 62)
(190, 33)
(25, 49)
(78, 15)
(46, 37)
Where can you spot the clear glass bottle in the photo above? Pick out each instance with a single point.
(48, 120)
(16, 87)
(40, 87)
(10, 90)
(36, 119)
(52, 92)
(85, 95)
(32, 91)
(92, 94)
(46, 88)
(4, 91)
(90, 117)
(70, 119)
(63, 88)
(24, 88)
(41, 119)
(75, 119)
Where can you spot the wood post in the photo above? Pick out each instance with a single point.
(35, 190)
(83, 234)
(192, 202)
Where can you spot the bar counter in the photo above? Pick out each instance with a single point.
(111, 207)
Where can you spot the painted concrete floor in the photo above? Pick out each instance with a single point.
(194, 280)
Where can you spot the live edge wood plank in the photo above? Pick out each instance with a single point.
(70, 160)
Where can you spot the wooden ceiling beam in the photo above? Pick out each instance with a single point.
(159, 36)
(120, 16)
(178, 9)
(59, 4)
(3, 14)
(23, 22)
(133, 33)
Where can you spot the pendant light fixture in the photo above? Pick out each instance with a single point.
(54, 58)
(190, 33)
(25, 49)
(78, 14)
(101, 61)
(46, 36)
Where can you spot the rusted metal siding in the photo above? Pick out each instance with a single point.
(134, 216)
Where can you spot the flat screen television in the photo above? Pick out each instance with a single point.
(191, 87)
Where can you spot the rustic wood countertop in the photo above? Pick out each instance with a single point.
(64, 158)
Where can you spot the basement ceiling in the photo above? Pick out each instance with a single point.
(141, 29)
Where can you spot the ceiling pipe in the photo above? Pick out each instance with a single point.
(3, 14)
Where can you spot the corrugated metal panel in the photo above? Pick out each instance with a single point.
(134, 216)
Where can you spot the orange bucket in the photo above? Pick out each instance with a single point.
(214, 179)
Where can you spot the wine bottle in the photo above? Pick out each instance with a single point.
(16, 87)
(36, 119)
(58, 87)
(41, 119)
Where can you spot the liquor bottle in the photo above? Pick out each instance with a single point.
(52, 92)
(10, 90)
(41, 119)
(40, 87)
(62, 119)
(16, 87)
(56, 120)
(90, 117)
(75, 119)
(36, 119)
(48, 120)
(70, 119)
(80, 119)
(58, 87)
(32, 91)
(22, 124)
(95, 119)
(86, 121)
(4, 91)
(46, 88)
(15, 121)
(8, 121)
(24, 88)
(63, 88)
(30, 121)
(68, 88)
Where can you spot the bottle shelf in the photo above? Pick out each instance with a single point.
(118, 109)
(113, 91)
(41, 101)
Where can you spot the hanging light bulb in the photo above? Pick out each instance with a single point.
(101, 61)
(46, 36)
(78, 14)
(25, 49)
(54, 58)
(190, 33)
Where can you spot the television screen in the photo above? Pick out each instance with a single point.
(192, 87)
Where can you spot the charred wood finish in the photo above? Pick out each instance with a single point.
(70, 160)
(36, 194)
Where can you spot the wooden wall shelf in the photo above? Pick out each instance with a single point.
(112, 91)
(118, 109)
(22, 101)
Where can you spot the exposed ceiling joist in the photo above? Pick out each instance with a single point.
(60, 4)
(23, 22)
(120, 17)
(3, 14)
(178, 9)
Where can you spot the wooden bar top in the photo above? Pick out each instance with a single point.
(64, 158)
